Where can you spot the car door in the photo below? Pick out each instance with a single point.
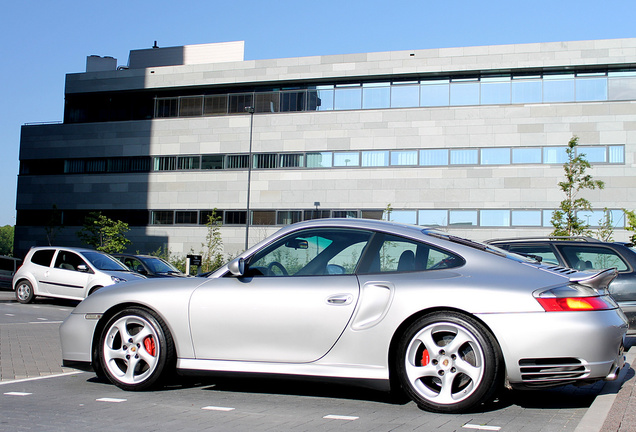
(292, 305)
(69, 275)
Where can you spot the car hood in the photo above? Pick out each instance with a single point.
(127, 276)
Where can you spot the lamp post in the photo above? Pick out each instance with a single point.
(249, 110)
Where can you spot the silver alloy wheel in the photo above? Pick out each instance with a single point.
(131, 349)
(24, 292)
(444, 363)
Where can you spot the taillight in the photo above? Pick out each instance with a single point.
(574, 304)
(574, 297)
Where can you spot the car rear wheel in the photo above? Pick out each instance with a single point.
(135, 350)
(24, 292)
(448, 362)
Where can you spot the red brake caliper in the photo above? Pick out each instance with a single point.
(425, 358)
(149, 344)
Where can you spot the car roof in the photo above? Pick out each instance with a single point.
(72, 249)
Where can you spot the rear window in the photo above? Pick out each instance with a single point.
(43, 257)
(593, 258)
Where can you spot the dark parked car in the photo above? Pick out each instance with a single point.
(149, 266)
(585, 253)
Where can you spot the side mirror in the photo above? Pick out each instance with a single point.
(237, 267)
(82, 268)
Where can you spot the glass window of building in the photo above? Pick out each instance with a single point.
(162, 217)
(433, 217)
(547, 218)
(372, 214)
(238, 102)
(166, 107)
(554, 155)
(346, 159)
(526, 155)
(616, 154)
(462, 217)
(591, 87)
(527, 89)
(96, 165)
(186, 217)
(593, 154)
(191, 106)
(558, 88)
(404, 157)
(375, 158)
(405, 95)
(376, 95)
(235, 217)
(348, 97)
(215, 105)
(464, 157)
(593, 218)
(434, 157)
(287, 217)
(404, 216)
(526, 218)
(495, 90)
(464, 92)
(621, 85)
(165, 163)
(211, 162)
(205, 215)
(293, 101)
(323, 96)
(188, 162)
(292, 160)
(267, 102)
(237, 161)
(264, 217)
(494, 218)
(495, 156)
(266, 160)
(617, 218)
(345, 214)
(434, 93)
(316, 214)
(319, 160)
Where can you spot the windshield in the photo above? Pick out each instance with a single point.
(157, 265)
(104, 262)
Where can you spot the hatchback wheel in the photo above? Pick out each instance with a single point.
(24, 292)
(135, 349)
(448, 362)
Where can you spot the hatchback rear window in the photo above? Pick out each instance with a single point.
(593, 258)
(43, 257)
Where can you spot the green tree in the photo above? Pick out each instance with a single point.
(605, 231)
(212, 256)
(565, 220)
(6, 240)
(104, 234)
(631, 224)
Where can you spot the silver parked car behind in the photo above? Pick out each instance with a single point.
(446, 319)
(69, 273)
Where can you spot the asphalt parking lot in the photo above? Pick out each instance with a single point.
(36, 393)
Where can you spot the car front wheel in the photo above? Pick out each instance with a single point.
(24, 292)
(448, 362)
(135, 350)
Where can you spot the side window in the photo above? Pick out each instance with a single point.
(311, 252)
(68, 261)
(397, 254)
(593, 258)
(43, 257)
(545, 252)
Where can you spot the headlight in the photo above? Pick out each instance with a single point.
(116, 279)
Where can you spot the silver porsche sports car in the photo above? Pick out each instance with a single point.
(447, 320)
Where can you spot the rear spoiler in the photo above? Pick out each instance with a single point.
(598, 281)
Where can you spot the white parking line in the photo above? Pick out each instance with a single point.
(215, 408)
(111, 400)
(340, 417)
(40, 378)
(17, 394)
(481, 427)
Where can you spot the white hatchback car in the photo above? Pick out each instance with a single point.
(69, 273)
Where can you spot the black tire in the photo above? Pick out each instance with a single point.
(448, 362)
(135, 350)
(24, 292)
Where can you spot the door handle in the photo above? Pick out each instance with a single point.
(340, 299)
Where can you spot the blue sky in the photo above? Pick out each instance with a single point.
(43, 40)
